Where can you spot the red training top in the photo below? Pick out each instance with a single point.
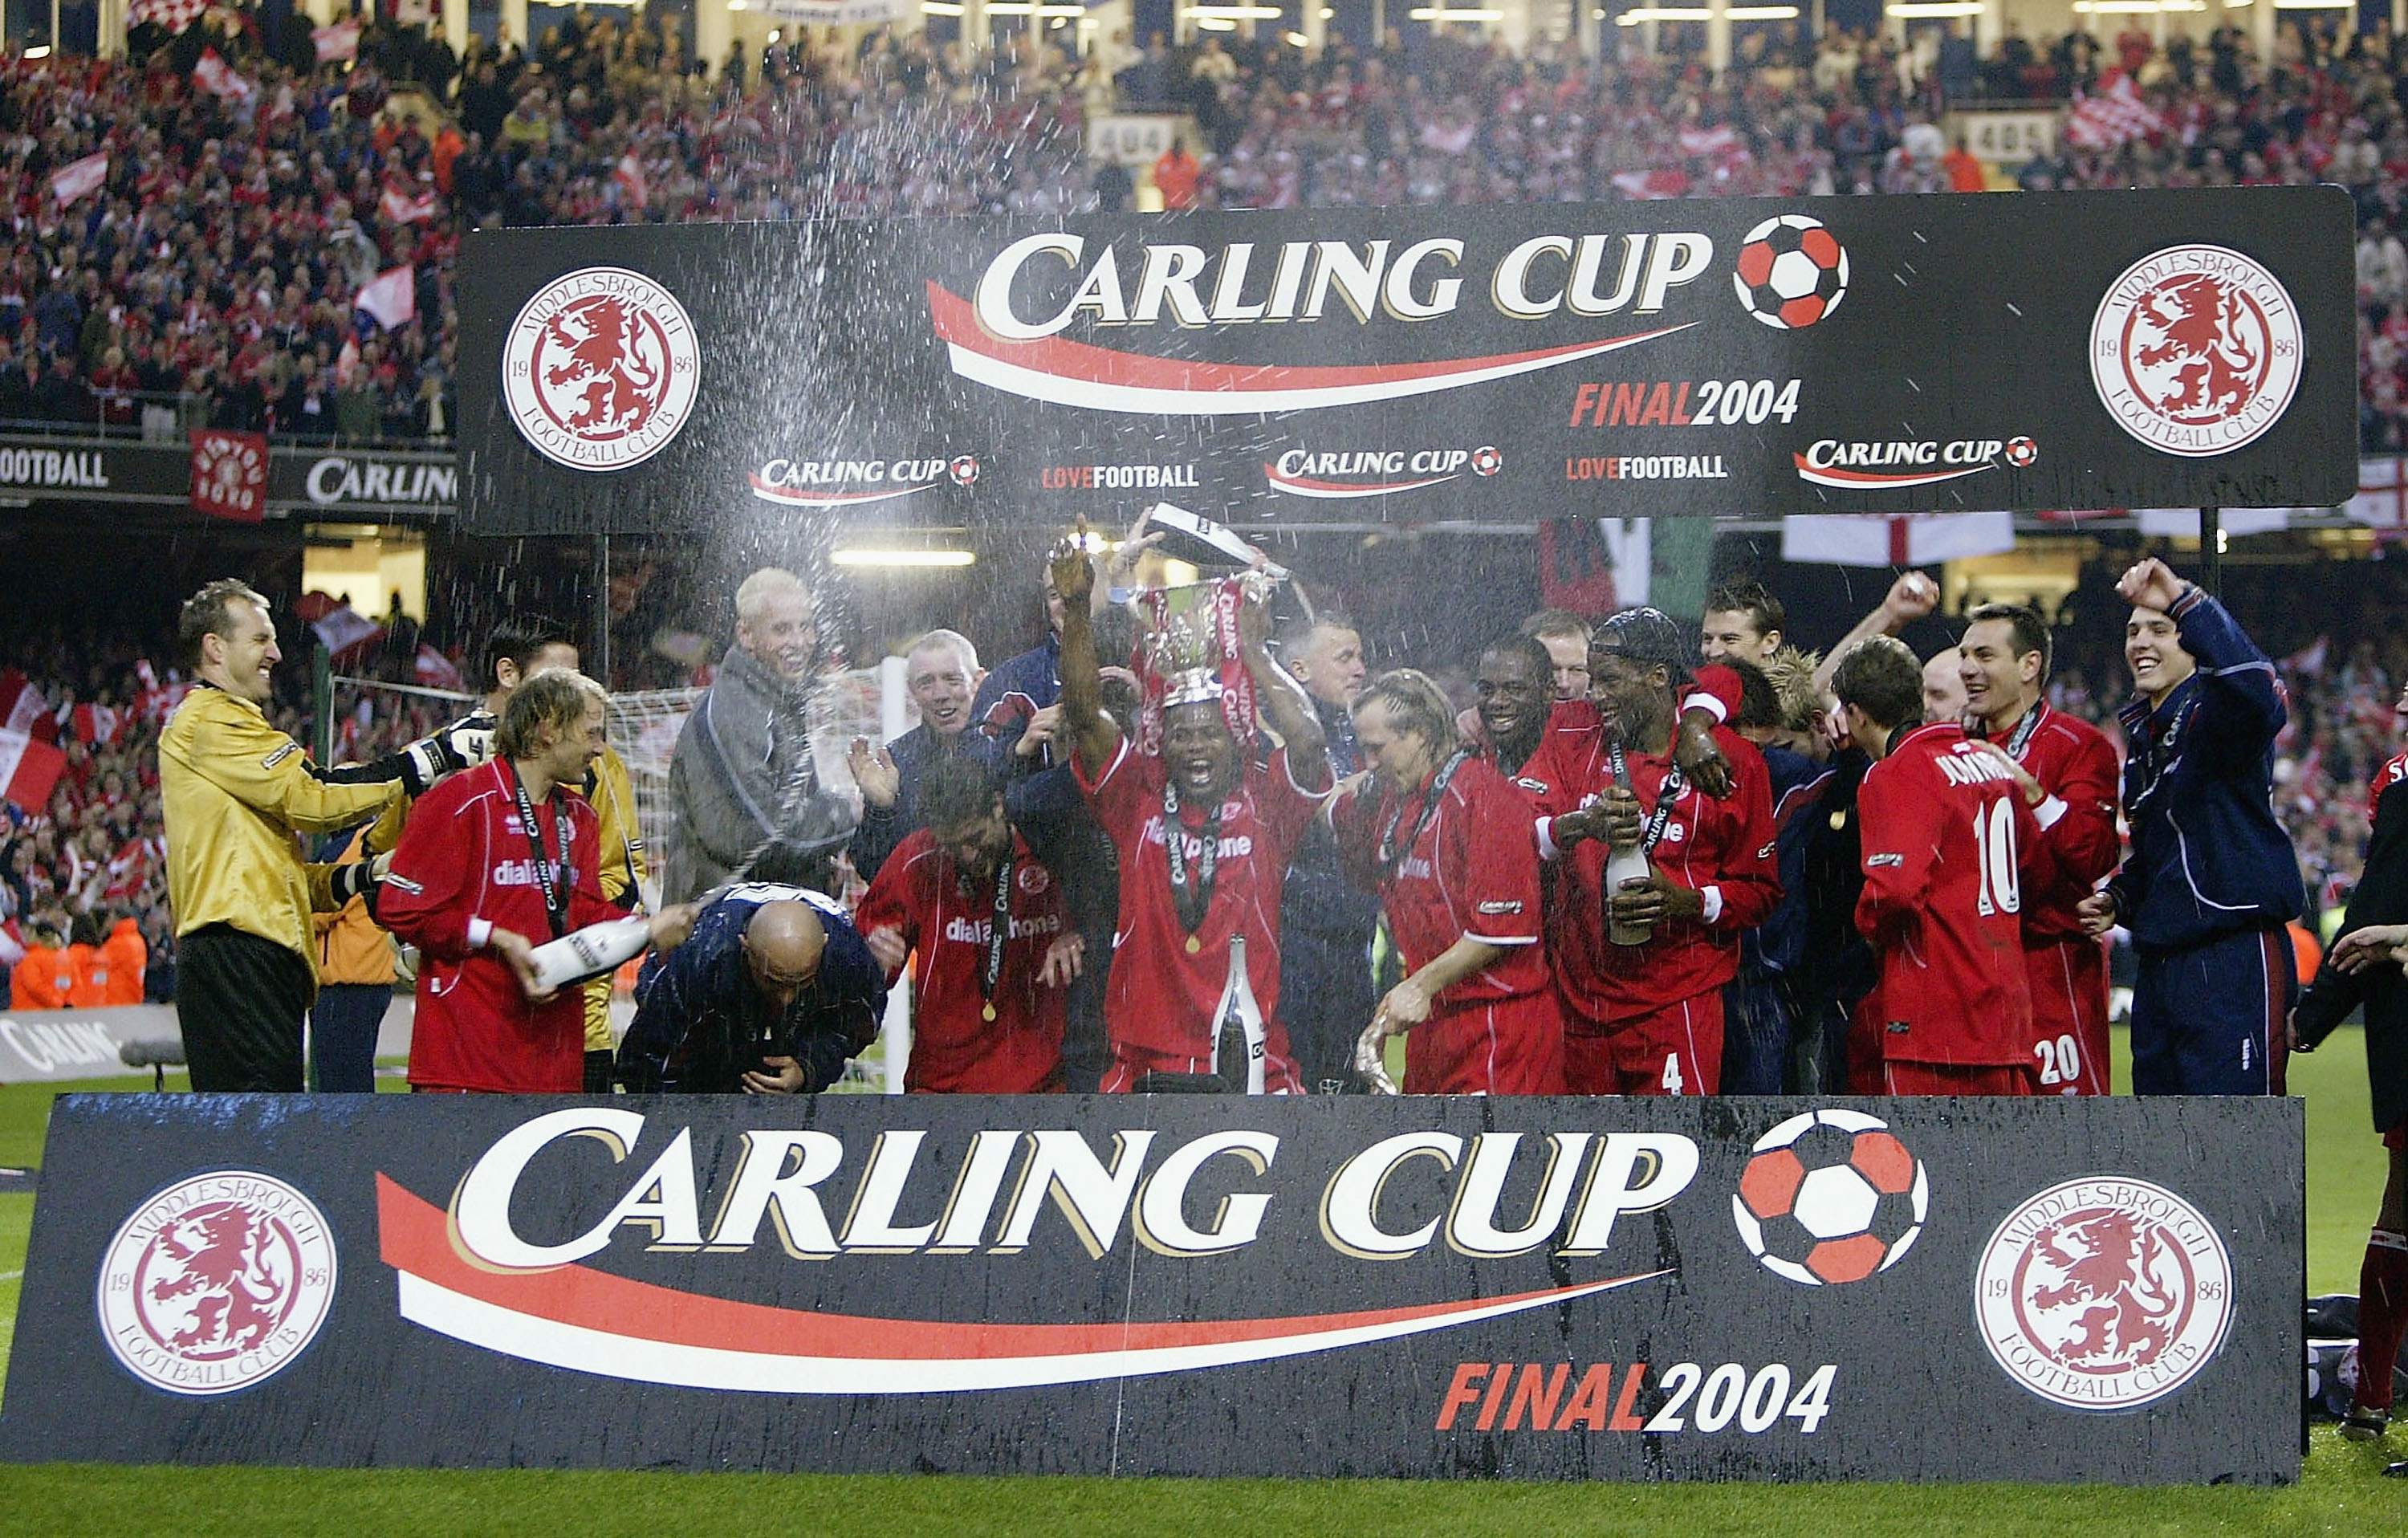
(2076, 764)
(1944, 831)
(465, 867)
(1161, 996)
(947, 919)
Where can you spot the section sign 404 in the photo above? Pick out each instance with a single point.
(2097, 350)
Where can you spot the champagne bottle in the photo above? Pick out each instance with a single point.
(1239, 1041)
(1625, 862)
(590, 952)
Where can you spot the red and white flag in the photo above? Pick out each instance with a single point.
(230, 474)
(174, 15)
(2180, 523)
(347, 362)
(1721, 141)
(2111, 115)
(402, 209)
(630, 178)
(28, 768)
(339, 41)
(340, 628)
(79, 178)
(434, 670)
(21, 703)
(391, 297)
(219, 79)
(1916, 539)
(1651, 185)
(99, 725)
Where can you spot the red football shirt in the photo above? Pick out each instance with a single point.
(2078, 846)
(1474, 871)
(464, 862)
(1161, 996)
(1723, 850)
(1943, 832)
(955, 1050)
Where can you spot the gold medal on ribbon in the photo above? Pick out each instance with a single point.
(1193, 945)
(986, 1012)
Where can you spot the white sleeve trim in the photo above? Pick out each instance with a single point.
(479, 931)
(1713, 897)
(1547, 850)
(1707, 703)
(1507, 939)
(2048, 811)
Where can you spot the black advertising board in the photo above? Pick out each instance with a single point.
(321, 480)
(2040, 1290)
(1498, 362)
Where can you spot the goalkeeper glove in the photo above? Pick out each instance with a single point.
(455, 747)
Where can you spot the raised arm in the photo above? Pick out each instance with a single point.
(1909, 598)
(1282, 699)
(1092, 734)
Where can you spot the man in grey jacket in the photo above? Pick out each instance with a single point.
(742, 773)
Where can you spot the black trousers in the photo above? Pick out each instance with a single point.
(239, 1002)
(343, 1026)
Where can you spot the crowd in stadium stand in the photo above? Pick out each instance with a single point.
(211, 275)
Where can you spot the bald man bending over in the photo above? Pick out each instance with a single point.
(770, 996)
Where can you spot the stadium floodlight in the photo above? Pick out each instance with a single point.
(1664, 13)
(1229, 13)
(1441, 13)
(1918, 9)
(1762, 13)
(940, 8)
(871, 555)
(2315, 5)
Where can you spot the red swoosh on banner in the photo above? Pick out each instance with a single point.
(1300, 486)
(1854, 479)
(790, 497)
(415, 1240)
(1073, 373)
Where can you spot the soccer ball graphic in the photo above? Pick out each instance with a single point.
(1830, 1197)
(964, 470)
(1792, 272)
(2021, 453)
(1486, 461)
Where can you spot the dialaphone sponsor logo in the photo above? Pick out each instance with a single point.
(217, 1283)
(849, 483)
(2103, 1293)
(1376, 472)
(477, 1273)
(1008, 333)
(600, 369)
(335, 480)
(2196, 350)
(78, 468)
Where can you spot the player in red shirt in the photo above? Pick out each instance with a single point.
(1942, 825)
(1239, 820)
(492, 856)
(1446, 842)
(986, 1015)
(2067, 772)
(1647, 1020)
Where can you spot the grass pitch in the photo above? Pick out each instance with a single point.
(2341, 1491)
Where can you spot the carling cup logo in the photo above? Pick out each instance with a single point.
(2196, 350)
(217, 1283)
(2105, 1293)
(600, 369)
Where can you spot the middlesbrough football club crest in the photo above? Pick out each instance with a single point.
(2196, 350)
(2105, 1293)
(217, 1283)
(600, 369)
